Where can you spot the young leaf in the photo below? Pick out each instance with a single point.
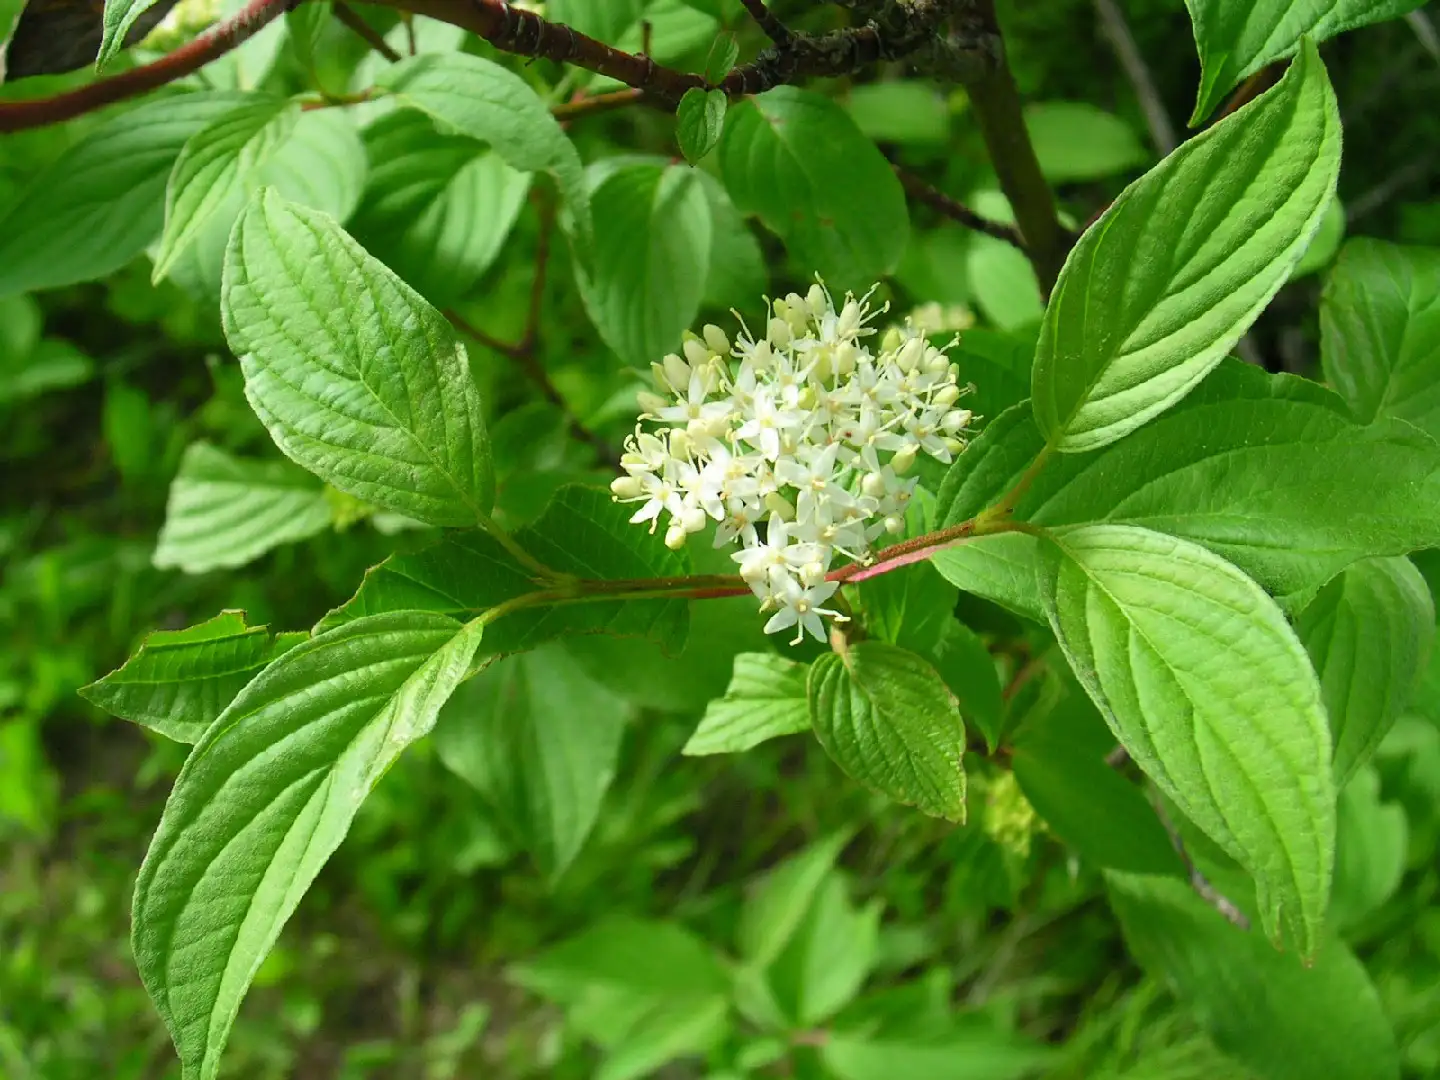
(889, 721)
(539, 740)
(264, 799)
(1204, 683)
(225, 511)
(1380, 331)
(102, 201)
(798, 161)
(646, 277)
(1236, 38)
(765, 699)
(1369, 634)
(482, 100)
(1280, 1018)
(214, 164)
(582, 532)
(437, 208)
(774, 911)
(118, 18)
(1161, 287)
(699, 121)
(357, 378)
(181, 680)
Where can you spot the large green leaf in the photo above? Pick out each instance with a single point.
(181, 680)
(797, 160)
(1251, 465)
(437, 208)
(1161, 287)
(582, 532)
(973, 1051)
(357, 377)
(828, 960)
(103, 200)
(263, 801)
(539, 740)
(765, 699)
(226, 511)
(1074, 140)
(1204, 683)
(1281, 1018)
(482, 100)
(1236, 38)
(889, 721)
(774, 911)
(652, 249)
(1380, 331)
(1369, 634)
(215, 164)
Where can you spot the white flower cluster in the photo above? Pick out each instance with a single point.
(805, 431)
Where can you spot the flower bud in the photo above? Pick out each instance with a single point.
(903, 459)
(849, 323)
(891, 340)
(846, 355)
(677, 372)
(910, 354)
(873, 485)
(948, 395)
(894, 524)
(650, 403)
(954, 445)
(675, 536)
(627, 487)
(696, 351)
(955, 420)
(778, 331)
(679, 443)
(716, 339)
(936, 363)
(693, 519)
(657, 372)
(816, 299)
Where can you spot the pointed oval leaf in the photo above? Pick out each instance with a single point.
(1157, 291)
(1204, 683)
(765, 699)
(357, 378)
(118, 19)
(699, 121)
(263, 801)
(889, 721)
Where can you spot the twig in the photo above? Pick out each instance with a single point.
(1367, 202)
(1198, 881)
(1032, 667)
(774, 29)
(1117, 32)
(469, 329)
(190, 57)
(937, 200)
(596, 103)
(1424, 31)
(537, 290)
(1252, 88)
(350, 19)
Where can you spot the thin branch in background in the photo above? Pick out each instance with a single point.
(537, 289)
(1198, 881)
(1117, 33)
(774, 29)
(1252, 88)
(589, 105)
(1368, 202)
(937, 200)
(350, 19)
(1425, 33)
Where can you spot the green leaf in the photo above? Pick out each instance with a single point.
(639, 956)
(1369, 634)
(699, 121)
(1204, 683)
(1371, 850)
(119, 16)
(765, 699)
(1250, 465)
(900, 111)
(357, 378)
(737, 273)
(652, 248)
(1325, 244)
(582, 532)
(824, 966)
(539, 740)
(997, 365)
(1236, 38)
(888, 720)
(1380, 331)
(266, 797)
(437, 208)
(226, 511)
(773, 912)
(1076, 141)
(669, 1030)
(1158, 290)
(102, 201)
(305, 24)
(910, 607)
(723, 54)
(968, 669)
(485, 101)
(216, 162)
(798, 161)
(1282, 1019)
(181, 680)
(973, 1051)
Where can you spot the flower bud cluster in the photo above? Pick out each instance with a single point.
(795, 442)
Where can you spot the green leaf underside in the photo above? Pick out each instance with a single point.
(652, 248)
(1251, 465)
(1282, 1019)
(765, 699)
(181, 680)
(437, 208)
(480, 99)
(1236, 38)
(265, 797)
(1158, 290)
(226, 511)
(1204, 683)
(888, 720)
(539, 740)
(215, 164)
(581, 532)
(357, 378)
(102, 201)
(1380, 331)
(118, 17)
(798, 161)
(1369, 634)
